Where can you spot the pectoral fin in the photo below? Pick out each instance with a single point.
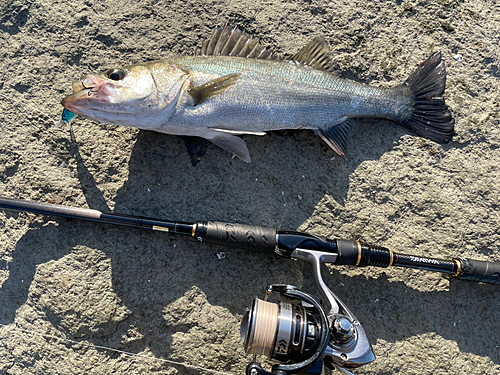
(230, 143)
(212, 88)
(336, 136)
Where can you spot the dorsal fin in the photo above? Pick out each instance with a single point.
(315, 54)
(231, 41)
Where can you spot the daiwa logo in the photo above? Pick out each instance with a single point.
(251, 237)
(282, 346)
(230, 233)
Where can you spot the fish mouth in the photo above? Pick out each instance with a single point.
(83, 104)
(83, 91)
(70, 102)
(91, 82)
(98, 109)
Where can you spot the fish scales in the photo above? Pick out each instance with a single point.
(273, 95)
(230, 89)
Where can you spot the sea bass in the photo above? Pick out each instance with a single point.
(234, 86)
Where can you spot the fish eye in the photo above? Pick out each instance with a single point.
(115, 74)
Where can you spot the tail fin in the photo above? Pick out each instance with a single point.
(431, 118)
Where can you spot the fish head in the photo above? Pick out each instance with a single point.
(126, 96)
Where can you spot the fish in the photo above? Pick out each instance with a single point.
(234, 86)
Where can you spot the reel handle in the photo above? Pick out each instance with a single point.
(255, 368)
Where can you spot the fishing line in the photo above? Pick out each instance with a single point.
(93, 346)
(31, 107)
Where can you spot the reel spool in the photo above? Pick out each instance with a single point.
(279, 330)
(294, 331)
(299, 333)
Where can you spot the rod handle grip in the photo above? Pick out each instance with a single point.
(479, 271)
(248, 237)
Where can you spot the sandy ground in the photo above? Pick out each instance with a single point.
(69, 290)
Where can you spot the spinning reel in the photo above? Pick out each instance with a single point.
(300, 333)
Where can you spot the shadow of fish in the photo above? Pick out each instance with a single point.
(233, 86)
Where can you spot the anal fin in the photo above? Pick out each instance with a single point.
(212, 88)
(337, 135)
(231, 143)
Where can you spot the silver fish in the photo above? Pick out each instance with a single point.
(233, 86)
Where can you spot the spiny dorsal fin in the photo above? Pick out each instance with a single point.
(315, 54)
(212, 88)
(231, 41)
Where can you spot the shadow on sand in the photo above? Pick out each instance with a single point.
(163, 184)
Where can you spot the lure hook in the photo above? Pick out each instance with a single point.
(90, 89)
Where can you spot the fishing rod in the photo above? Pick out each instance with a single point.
(269, 240)
(298, 331)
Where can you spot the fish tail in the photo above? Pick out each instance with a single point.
(431, 118)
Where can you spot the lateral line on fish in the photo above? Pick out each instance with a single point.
(31, 107)
(89, 345)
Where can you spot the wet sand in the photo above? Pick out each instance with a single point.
(69, 288)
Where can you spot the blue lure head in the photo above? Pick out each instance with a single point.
(67, 116)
